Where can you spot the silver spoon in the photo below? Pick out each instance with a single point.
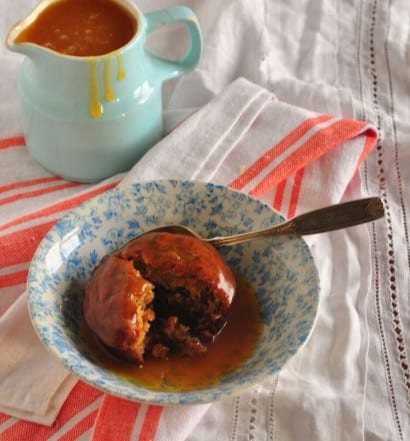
(325, 219)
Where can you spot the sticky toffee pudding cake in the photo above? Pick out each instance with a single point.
(161, 293)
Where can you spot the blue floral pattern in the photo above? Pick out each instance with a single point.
(281, 269)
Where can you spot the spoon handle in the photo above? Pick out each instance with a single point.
(325, 219)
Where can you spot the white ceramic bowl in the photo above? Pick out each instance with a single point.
(281, 270)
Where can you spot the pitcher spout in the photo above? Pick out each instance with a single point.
(27, 49)
(12, 39)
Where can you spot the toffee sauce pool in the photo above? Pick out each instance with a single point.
(231, 348)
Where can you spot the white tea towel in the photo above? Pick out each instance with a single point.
(33, 384)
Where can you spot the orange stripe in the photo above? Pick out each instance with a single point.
(4, 418)
(28, 183)
(115, 420)
(370, 143)
(19, 247)
(280, 191)
(151, 422)
(13, 279)
(275, 151)
(36, 193)
(82, 426)
(317, 145)
(294, 197)
(80, 397)
(59, 207)
(16, 141)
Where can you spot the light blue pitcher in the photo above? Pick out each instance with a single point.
(88, 118)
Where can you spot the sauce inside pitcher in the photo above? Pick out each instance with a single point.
(81, 27)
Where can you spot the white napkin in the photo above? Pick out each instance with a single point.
(33, 383)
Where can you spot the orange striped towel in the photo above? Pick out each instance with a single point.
(289, 157)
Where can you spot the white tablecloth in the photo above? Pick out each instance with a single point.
(350, 59)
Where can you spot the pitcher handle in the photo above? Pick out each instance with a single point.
(186, 16)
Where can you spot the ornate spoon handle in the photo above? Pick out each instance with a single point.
(325, 219)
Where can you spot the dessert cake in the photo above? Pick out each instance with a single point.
(161, 294)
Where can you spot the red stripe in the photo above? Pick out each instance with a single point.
(317, 145)
(59, 207)
(19, 247)
(4, 418)
(81, 396)
(151, 422)
(370, 143)
(270, 155)
(13, 279)
(80, 428)
(28, 183)
(280, 191)
(40, 192)
(16, 141)
(115, 420)
(294, 197)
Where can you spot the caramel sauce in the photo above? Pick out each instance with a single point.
(231, 348)
(96, 96)
(108, 80)
(96, 107)
(86, 28)
(120, 67)
(81, 27)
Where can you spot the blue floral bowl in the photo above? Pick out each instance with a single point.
(281, 270)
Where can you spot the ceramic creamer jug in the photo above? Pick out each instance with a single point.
(88, 117)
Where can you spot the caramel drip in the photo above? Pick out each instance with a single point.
(120, 66)
(96, 107)
(108, 80)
